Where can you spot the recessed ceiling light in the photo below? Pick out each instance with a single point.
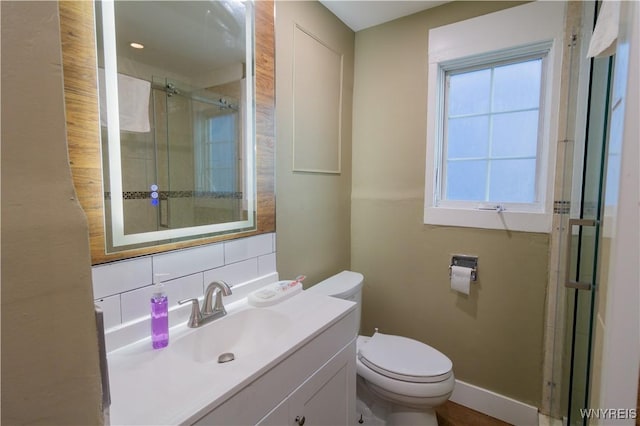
(136, 45)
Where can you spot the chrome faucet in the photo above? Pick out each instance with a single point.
(208, 313)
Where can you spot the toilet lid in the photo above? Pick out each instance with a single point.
(404, 359)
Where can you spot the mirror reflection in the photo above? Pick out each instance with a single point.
(176, 114)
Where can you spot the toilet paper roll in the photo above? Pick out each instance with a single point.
(460, 279)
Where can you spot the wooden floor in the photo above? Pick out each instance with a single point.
(452, 414)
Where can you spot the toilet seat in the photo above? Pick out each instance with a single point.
(404, 359)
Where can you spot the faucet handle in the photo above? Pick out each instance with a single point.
(219, 288)
(196, 316)
(224, 290)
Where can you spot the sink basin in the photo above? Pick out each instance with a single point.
(241, 333)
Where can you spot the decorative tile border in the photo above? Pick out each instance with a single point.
(561, 207)
(165, 195)
(589, 208)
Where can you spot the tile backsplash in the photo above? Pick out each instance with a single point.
(123, 289)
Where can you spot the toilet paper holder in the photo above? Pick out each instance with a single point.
(465, 262)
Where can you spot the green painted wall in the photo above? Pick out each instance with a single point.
(494, 336)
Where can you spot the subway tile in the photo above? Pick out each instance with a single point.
(246, 248)
(189, 287)
(188, 261)
(111, 310)
(137, 303)
(124, 288)
(267, 264)
(233, 274)
(121, 276)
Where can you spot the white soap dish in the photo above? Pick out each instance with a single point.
(274, 293)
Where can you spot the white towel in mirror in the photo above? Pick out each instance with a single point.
(605, 35)
(133, 103)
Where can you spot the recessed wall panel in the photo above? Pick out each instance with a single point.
(317, 99)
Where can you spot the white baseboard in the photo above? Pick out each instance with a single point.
(495, 405)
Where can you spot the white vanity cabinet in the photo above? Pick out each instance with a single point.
(313, 385)
(326, 398)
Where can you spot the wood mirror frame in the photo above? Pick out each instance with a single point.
(83, 127)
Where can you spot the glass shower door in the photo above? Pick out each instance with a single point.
(200, 150)
(583, 238)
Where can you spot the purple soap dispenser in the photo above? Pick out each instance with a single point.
(159, 315)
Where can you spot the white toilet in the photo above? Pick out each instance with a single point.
(400, 380)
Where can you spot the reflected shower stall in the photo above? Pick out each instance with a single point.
(197, 131)
(187, 169)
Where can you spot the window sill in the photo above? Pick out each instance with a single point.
(489, 219)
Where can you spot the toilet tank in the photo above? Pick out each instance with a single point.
(346, 285)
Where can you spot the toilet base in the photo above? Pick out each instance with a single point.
(372, 410)
(406, 416)
(375, 411)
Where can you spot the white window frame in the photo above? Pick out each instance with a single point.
(532, 28)
(204, 180)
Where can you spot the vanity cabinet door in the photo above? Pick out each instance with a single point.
(328, 397)
(279, 416)
(325, 398)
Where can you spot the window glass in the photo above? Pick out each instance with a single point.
(515, 134)
(512, 181)
(466, 180)
(469, 93)
(517, 86)
(468, 137)
(216, 159)
(491, 132)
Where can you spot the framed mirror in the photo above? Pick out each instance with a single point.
(181, 125)
(176, 92)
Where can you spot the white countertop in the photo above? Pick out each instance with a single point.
(165, 387)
